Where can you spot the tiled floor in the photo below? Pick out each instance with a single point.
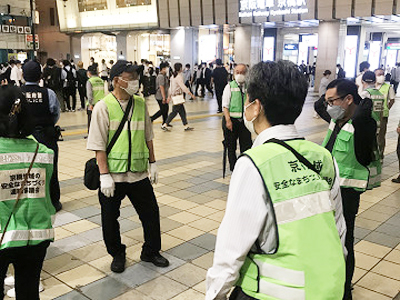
(192, 196)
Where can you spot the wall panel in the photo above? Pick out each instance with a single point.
(233, 11)
(196, 12)
(173, 13)
(208, 12)
(383, 7)
(362, 8)
(220, 12)
(343, 9)
(311, 11)
(325, 8)
(185, 16)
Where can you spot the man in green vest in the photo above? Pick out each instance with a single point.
(124, 171)
(352, 141)
(233, 99)
(388, 92)
(94, 90)
(282, 236)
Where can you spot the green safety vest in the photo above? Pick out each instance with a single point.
(377, 105)
(97, 88)
(31, 224)
(130, 152)
(236, 106)
(384, 89)
(308, 262)
(352, 174)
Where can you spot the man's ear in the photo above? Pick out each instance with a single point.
(350, 99)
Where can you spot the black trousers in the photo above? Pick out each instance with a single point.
(82, 95)
(238, 294)
(398, 150)
(218, 93)
(395, 86)
(27, 262)
(89, 116)
(198, 82)
(180, 108)
(164, 107)
(47, 137)
(144, 201)
(239, 131)
(68, 93)
(205, 84)
(350, 202)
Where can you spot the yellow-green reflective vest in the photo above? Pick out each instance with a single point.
(384, 89)
(97, 88)
(352, 174)
(377, 105)
(308, 263)
(31, 224)
(130, 152)
(236, 105)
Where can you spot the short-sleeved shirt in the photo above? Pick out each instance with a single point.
(162, 80)
(98, 137)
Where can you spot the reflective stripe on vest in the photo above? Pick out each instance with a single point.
(31, 235)
(97, 88)
(351, 173)
(25, 157)
(384, 89)
(302, 207)
(237, 101)
(308, 261)
(130, 152)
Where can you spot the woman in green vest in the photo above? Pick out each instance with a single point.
(25, 206)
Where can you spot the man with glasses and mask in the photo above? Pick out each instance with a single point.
(352, 141)
(124, 171)
(282, 236)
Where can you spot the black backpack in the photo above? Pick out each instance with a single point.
(52, 78)
(70, 80)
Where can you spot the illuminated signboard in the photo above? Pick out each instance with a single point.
(393, 46)
(291, 47)
(266, 8)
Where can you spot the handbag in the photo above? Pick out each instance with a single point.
(178, 99)
(91, 177)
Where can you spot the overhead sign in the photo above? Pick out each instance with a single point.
(266, 8)
(291, 47)
(393, 46)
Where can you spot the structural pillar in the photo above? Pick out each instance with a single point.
(121, 45)
(328, 44)
(248, 44)
(184, 45)
(76, 47)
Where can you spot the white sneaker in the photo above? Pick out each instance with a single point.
(11, 292)
(9, 281)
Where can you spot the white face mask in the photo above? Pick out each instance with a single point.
(132, 88)
(240, 78)
(249, 124)
(380, 79)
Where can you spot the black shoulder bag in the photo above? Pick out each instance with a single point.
(300, 157)
(91, 178)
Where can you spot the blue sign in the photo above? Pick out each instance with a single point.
(291, 47)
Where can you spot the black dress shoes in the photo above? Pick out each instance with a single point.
(155, 259)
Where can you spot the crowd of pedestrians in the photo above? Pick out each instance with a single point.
(288, 197)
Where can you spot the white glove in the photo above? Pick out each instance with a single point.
(153, 173)
(107, 185)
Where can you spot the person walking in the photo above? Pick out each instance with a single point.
(395, 78)
(162, 87)
(124, 170)
(68, 77)
(341, 73)
(52, 80)
(324, 82)
(364, 67)
(351, 139)
(233, 100)
(95, 91)
(44, 110)
(388, 92)
(82, 79)
(23, 240)
(175, 94)
(283, 231)
(219, 78)
(16, 73)
(187, 78)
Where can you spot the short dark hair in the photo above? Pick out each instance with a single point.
(163, 65)
(66, 62)
(50, 62)
(280, 87)
(364, 65)
(327, 72)
(177, 68)
(19, 125)
(93, 70)
(345, 87)
(338, 65)
(187, 66)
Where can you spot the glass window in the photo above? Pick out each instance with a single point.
(128, 3)
(90, 5)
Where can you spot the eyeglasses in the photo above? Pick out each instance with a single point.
(331, 101)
